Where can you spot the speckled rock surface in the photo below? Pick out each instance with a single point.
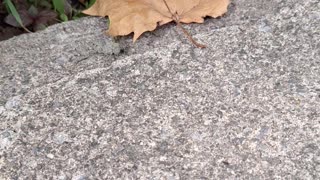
(76, 105)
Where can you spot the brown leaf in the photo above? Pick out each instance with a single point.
(139, 16)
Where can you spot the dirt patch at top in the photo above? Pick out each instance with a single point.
(7, 31)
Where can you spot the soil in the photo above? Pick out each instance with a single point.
(7, 31)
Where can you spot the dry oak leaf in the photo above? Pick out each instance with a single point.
(139, 16)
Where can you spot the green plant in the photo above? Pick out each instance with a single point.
(13, 12)
(38, 14)
(59, 6)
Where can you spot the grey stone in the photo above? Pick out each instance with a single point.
(76, 104)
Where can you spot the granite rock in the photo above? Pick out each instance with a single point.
(76, 104)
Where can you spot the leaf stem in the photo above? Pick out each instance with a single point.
(189, 36)
(176, 19)
(165, 2)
